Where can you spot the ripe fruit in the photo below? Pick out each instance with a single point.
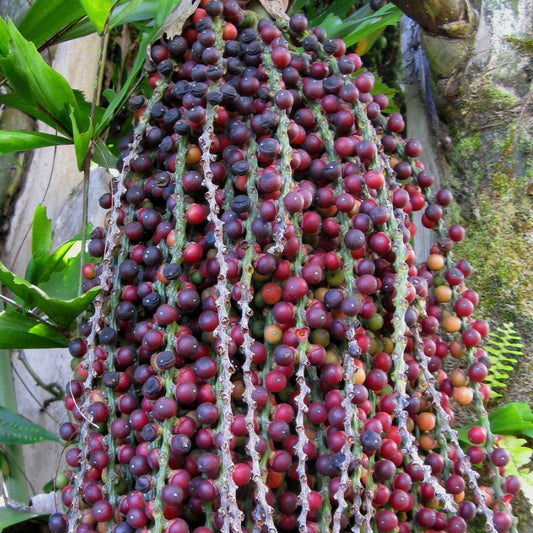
(270, 349)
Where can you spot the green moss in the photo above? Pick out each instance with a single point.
(469, 146)
(486, 96)
(496, 211)
(496, 97)
(522, 45)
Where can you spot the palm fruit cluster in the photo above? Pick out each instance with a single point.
(267, 354)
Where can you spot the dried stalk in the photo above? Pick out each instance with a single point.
(452, 433)
(229, 508)
(265, 514)
(106, 277)
(171, 292)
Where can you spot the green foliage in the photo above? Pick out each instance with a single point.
(504, 347)
(48, 20)
(41, 242)
(19, 331)
(519, 464)
(61, 312)
(362, 24)
(17, 141)
(10, 517)
(82, 140)
(53, 21)
(4, 465)
(39, 91)
(55, 272)
(43, 89)
(97, 12)
(49, 288)
(15, 429)
(513, 418)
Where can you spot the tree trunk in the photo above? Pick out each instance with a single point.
(440, 17)
(473, 86)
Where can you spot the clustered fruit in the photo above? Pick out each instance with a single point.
(266, 353)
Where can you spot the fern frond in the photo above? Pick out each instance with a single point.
(504, 348)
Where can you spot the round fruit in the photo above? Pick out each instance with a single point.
(264, 328)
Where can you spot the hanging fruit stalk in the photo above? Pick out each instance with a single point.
(266, 352)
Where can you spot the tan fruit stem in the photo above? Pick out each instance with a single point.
(229, 508)
(284, 166)
(106, 279)
(264, 512)
(452, 433)
(351, 449)
(303, 393)
(112, 474)
(400, 330)
(171, 293)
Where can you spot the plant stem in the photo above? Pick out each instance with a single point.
(90, 152)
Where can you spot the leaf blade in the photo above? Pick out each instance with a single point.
(97, 11)
(45, 18)
(82, 140)
(60, 312)
(18, 331)
(20, 141)
(10, 517)
(29, 76)
(15, 429)
(513, 418)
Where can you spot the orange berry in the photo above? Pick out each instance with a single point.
(458, 378)
(425, 421)
(443, 293)
(193, 155)
(463, 395)
(458, 498)
(427, 442)
(451, 324)
(273, 334)
(435, 261)
(274, 479)
(457, 348)
(359, 376)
